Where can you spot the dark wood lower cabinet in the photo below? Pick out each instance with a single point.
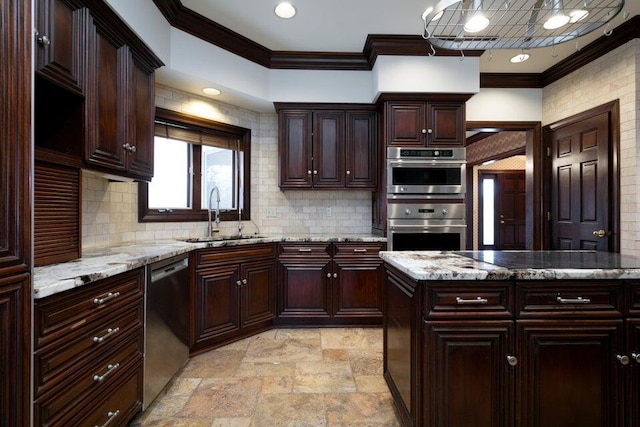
(569, 375)
(467, 380)
(528, 357)
(233, 294)
(330, 284)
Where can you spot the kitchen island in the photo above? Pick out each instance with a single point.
(523, 338)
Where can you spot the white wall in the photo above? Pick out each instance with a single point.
(505, 105)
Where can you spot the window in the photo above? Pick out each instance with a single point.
(193, 159)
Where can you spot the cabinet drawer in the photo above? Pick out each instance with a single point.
(91, 345)
(206, 257)
(60, 315)
(305, 249)
(633, 290)
(569, 299)
(472, 300)
(59, 405)
(360, 250)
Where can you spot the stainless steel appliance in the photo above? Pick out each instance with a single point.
(426, 226)
(426, 172)
(166, 324)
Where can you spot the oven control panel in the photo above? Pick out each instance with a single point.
(426, 211)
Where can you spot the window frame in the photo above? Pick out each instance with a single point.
(199, 213)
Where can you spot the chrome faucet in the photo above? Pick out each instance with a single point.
(217, 217)
(240, 226)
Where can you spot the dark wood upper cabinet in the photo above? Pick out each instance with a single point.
(95, 88)
(435, 120)
(120, 108)
(327, 146)
(60, 53)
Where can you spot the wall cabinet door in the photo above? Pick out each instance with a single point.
(140, 122)
(328, 149)
(361, 150)
(216, 308)
(445, 124)
(60, 57)
(295, 149)
(569, 373)
(405, 122)
(258, 298)
(468, 381)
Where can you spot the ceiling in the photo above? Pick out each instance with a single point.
(343, 26)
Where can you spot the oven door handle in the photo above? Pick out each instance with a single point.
(425, 227)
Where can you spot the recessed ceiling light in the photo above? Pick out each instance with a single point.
(211, 91)
(285, 10)
(521, 57)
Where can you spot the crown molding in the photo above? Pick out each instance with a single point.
(376, 45)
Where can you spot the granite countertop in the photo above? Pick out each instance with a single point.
(101, 263)
(509, 265)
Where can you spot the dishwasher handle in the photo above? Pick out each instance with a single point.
(167, 270)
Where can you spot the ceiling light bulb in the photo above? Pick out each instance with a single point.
(558, 18)
(285, 10)
(521, 57)
(578, 15)
(211, 91)
(478, 21)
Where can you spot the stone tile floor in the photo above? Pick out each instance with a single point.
(281, 378)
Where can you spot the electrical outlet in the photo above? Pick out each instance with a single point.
(327, 212)
(271, 212)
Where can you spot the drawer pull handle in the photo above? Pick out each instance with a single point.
(112, 416)
(304, 250)
(636, 357)
(512, 360)
(98, 378)
(578, 300)
(109, 296)
(623, 359)
(477, 301)
(361, 251)
(110, 332)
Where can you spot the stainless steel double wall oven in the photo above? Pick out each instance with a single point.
(425, 198)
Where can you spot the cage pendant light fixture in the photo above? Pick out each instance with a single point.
(514, 24)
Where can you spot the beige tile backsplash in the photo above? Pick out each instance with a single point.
(110, 209)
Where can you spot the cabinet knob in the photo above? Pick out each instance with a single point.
(623, 359)
(309, 172)
(512, 360)
(244, 281)
(424, 131)
(335, 275)
(348, 172)
(429, 130)
(328, 275)
(43, 41)
(636, 357)
(315, 172)
(239, 283)
(133, 149)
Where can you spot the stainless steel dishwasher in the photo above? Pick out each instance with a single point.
(166, 323)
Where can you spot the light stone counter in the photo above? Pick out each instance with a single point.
(101, 263)
(509, 265)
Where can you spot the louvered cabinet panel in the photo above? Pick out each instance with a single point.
(56, 214)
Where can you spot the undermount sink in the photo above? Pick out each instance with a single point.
(218, 238)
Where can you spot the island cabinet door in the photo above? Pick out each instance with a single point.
(570, 374)
(304, 292)
(468, 379)
(633, 373)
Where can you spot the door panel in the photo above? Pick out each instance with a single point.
(511, 197)
(328, 149)
(568, 373)
(580, 185)
(258, 293)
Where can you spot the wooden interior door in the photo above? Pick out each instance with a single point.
(511, 212)
(581, 175)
